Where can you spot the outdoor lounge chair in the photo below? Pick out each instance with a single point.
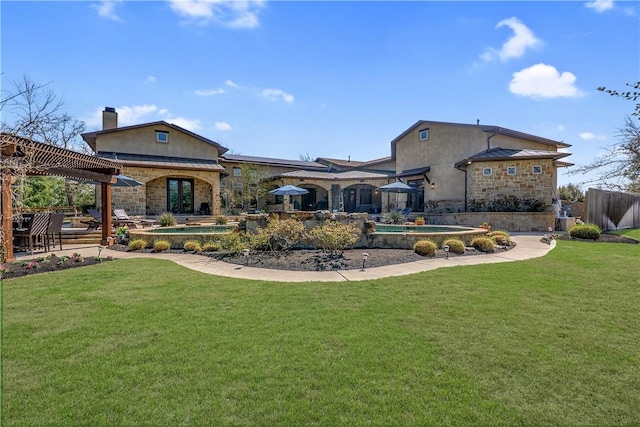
(95, 222)
(123, 219)
(406, 211)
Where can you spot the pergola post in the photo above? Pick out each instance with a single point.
(7, 217)
(106, 214)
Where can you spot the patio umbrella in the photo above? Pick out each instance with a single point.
(288, 190)
(121, 181)
(397, 187)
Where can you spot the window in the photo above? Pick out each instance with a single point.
(235, 184)
(162, 136)
(424, 134)
(223, 184)
(537, 170)
(511, 170)
(486, 171)
(237, 172)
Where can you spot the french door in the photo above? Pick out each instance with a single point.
(180, 195)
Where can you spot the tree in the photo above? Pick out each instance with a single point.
(36, 113)
(619, 165)
(571, 192)
(629, 95)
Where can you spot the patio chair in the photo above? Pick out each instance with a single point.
(205, 209)
(96, 222)
(36, 229)
(122, 218)
(406, 211)
(55, 227)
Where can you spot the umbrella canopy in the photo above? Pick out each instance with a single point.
(122, 181)
(288, 190)
(397, 187)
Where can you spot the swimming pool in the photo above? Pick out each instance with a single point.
(194, 229)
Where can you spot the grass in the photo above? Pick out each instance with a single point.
(552, 340)
(634, 233)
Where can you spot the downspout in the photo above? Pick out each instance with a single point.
(465, 185)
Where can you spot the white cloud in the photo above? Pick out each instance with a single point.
(222, 126)
(544, 81)
(139, 114)
(150, 79)
(589, 136)
(522, 39)
(277, 94)
(209, 92)
(231, 14)
(106, 9)
(232, 84)
(600, 5)
(188, 124)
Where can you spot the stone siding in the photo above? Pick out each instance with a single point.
(524, 184)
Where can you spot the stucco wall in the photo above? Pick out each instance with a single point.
(143, 141)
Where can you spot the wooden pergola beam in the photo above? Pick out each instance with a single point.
(43, 159)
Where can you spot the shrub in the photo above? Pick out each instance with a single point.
(192, 246)
(211, 246)
(456, 246)
(221, 220)
(425, 248)
(498, 232)
(161, 245)
(233, 242)
(280, 234)
(166, 219)
(393, 218)
(483, 244)
(585, 231)
(136, 245)
(334, 236)
(500, 239)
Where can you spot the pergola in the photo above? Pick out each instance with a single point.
(22, 155)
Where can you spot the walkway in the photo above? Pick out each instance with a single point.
(527, 246)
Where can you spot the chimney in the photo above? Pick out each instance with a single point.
(109, 118)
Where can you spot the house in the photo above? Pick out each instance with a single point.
(179, 169)
(454, 167)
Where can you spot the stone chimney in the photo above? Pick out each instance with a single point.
(109, 118)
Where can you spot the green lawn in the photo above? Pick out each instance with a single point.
(553, 340)
(633, 233)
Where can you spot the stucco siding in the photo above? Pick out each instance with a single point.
(143, 141)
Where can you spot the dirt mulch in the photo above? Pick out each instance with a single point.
(604, 238)
(47, 264)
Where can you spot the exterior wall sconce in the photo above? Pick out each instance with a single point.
(433, 186)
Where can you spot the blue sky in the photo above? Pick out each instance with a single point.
(332, 79)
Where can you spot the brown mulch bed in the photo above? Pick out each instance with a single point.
(47, 264)
(316, 260)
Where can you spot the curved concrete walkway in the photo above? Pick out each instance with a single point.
(527, 246)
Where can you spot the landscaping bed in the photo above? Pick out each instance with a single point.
(47, 264)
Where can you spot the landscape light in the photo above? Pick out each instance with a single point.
(446, 250)
(245, 252)
(364, 260)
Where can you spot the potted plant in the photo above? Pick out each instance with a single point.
(419, 221)
(486, 226)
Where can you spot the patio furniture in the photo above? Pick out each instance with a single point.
(35, 233)
(94, 223)
(122, 218)
(204, 209)
(54, 227)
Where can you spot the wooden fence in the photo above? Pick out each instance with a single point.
(611, 210)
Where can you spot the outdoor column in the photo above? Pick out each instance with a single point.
(106, 214)
(7, 216)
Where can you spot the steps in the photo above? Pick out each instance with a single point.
(79, 236)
